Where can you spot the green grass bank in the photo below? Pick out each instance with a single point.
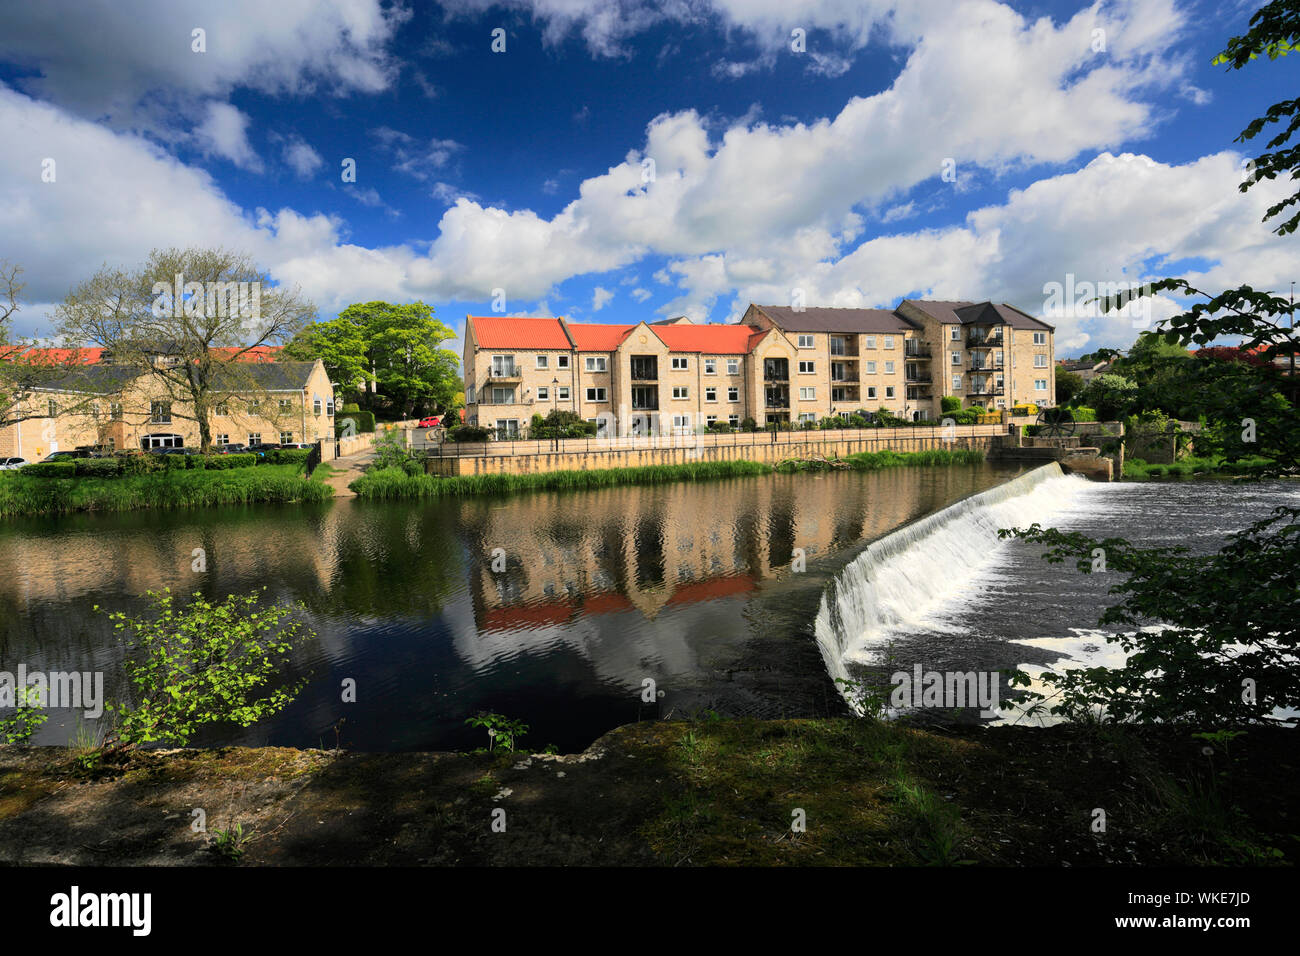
(23, 494)
(392, 483)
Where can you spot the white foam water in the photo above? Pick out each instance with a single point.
(901, 583)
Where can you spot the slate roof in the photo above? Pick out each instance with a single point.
(848, 321)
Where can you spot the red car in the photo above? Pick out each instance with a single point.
(430, 422)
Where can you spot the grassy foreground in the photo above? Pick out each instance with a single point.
(837, 791)
(29, 495)
(390, 483)
(1192, 466)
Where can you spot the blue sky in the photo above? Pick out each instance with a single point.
(1088, 141)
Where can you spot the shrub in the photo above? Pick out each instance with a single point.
(50, 469)
(350, 407)
(1083, 413)
(467, 433)
(748, 424)
(364, 422)
(97, 467)
(721, 428)
(858, 421)
(279, 456)
(1155, 471)
(227, 462)
(950, 403)
(1028, 408)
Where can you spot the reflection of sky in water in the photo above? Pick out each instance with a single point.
(688, 584)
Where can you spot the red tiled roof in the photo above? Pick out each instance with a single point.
(258, 353)
(65, 356)
(709, 339)
(597, 337)
(500, 332)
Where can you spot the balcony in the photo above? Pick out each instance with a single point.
(644, 368)
(978, 367)
(504, 372)
(776, 370)
(985, 391)
(993, 341)
(919, 352)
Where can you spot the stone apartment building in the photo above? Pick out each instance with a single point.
(778, 364)
(108, 406)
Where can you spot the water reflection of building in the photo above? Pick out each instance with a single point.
(649, 547)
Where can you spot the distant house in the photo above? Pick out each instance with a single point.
(114, 407)
(1087, 370)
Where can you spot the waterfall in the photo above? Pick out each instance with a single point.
(891, 586)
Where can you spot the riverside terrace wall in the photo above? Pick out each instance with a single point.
(525, 457)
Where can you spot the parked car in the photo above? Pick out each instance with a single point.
(300, 444)
(432, 422)
(237, 449)
(12, 464)
(174, 451)
(66, 455)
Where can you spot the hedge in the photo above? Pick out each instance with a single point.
(285, 456)
(50, 469)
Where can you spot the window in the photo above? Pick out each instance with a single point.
(997, 357)
(254, 439)
(889, 368)
(329, 408)
(733, 366)
(680, 364)
(543, 393)
(595, 363)
(956, 334)
(561, 361)
(1040, 338)
(733, 421)
(1040, 385)
(1040, 361)
(710, 394)
(543, 361)
(316, 406)
(807, 394)
(733, 394)
(255, 406)
(807, 416)
(286, 438)
(871, 391)
(805, 341)
(889, 391)
(871, 368)
(285, 404)
(53, 409)
(115, 411)
(710, 419)
(956, 383)
(563, 392)
(680, 391)
(469, 395)
(596, 395)
(710, 366)
(807, 368)
(160, 413)
(956, 358)
(503, 366)
(221, 440)
(889, 341)
(681, 422)
(503, 396)
(871, 341)
(220, 409)
(837, 345)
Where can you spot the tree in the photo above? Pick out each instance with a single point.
(28, 373)
(1068, 385)
(394, 349)
(1111, 395)
(188, 322)
(1227, 655)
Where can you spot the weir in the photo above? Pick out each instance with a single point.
(891, 587)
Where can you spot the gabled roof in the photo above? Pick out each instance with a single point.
(847, 321)
(707, 339)
(597, 337)
(82, 356)
(501, 332)
(976, 313)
